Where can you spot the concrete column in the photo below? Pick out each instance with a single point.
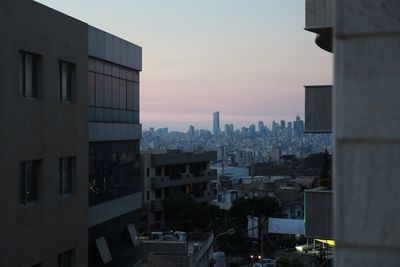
(367, 133)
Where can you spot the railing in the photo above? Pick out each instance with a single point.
(318, 204)
(319, 14)
(318, 109)
(186, 178)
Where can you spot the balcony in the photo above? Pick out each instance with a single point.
(318, 203)
(318, 109)
(186, 178)
(319, 19)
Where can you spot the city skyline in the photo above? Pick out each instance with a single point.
(189, 76)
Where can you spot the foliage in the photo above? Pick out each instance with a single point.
(183, 213)
(261, 207)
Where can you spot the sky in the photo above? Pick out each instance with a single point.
(248, 59)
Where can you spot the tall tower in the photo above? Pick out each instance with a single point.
(216, 128)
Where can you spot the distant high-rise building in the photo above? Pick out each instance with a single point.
(228, 130)
(260, 126)
(289, 124)
(252, 129)
(283, 124)
(191, 130)
(216, 128)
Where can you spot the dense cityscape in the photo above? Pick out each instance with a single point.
(244, 146)
(84, 184)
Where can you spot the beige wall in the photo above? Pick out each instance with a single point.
(367, 133)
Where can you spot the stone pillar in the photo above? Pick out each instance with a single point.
(367, 133)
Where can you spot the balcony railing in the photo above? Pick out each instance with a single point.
(319, 14)
(318, 203)
(318, 109)
(186, 178)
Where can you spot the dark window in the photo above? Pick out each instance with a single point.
(30, 72)
(29, 182)
(148, 172)
(158, 171)
(67, 259)
(66, 71)
(114, 170)
(158, 193)
(37, 265)
(66, 175)
(158, 215)
(147, 195)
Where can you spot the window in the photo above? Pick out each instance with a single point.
(148, 172)
(147, 195)
(158, 215)
(67, 259)
(29, 75)
(158, 193)
(65, 81)
(29, 172)
(158, 171)
(66, 174)
(37, 265)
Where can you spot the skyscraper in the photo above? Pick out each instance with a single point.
(216, 128)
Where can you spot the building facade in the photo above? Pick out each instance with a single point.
(114, 159)
(166, 172)
(364, 36)
(44, 138)
(73, 187)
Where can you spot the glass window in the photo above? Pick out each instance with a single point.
(136, 96)
(130, 98)
(99, 90)
(65, 81)
(92, 89)
(67, 259)
(107, 92)
(29, 171)
(29, 75)
(122, 94)
(107, 115)
(115, 93)
(66, 174)
(113, 171)
(99, 114)
(92, 114)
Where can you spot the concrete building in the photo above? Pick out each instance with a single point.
(170, 171)
(366, 140)
(216, 128)
(53, 67)
(44, 141)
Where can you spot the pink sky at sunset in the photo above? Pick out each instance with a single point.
(247, 59)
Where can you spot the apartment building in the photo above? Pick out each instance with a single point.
(364, 36)
(166, 172)
(72, 187)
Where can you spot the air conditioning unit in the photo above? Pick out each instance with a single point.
(180, 236)
(156, 235)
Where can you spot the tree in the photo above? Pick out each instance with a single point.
(261, 207)
(183, 213)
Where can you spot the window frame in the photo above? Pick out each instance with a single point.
(71, 174)
(23, 184)
(35, 73)
(66, 96)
